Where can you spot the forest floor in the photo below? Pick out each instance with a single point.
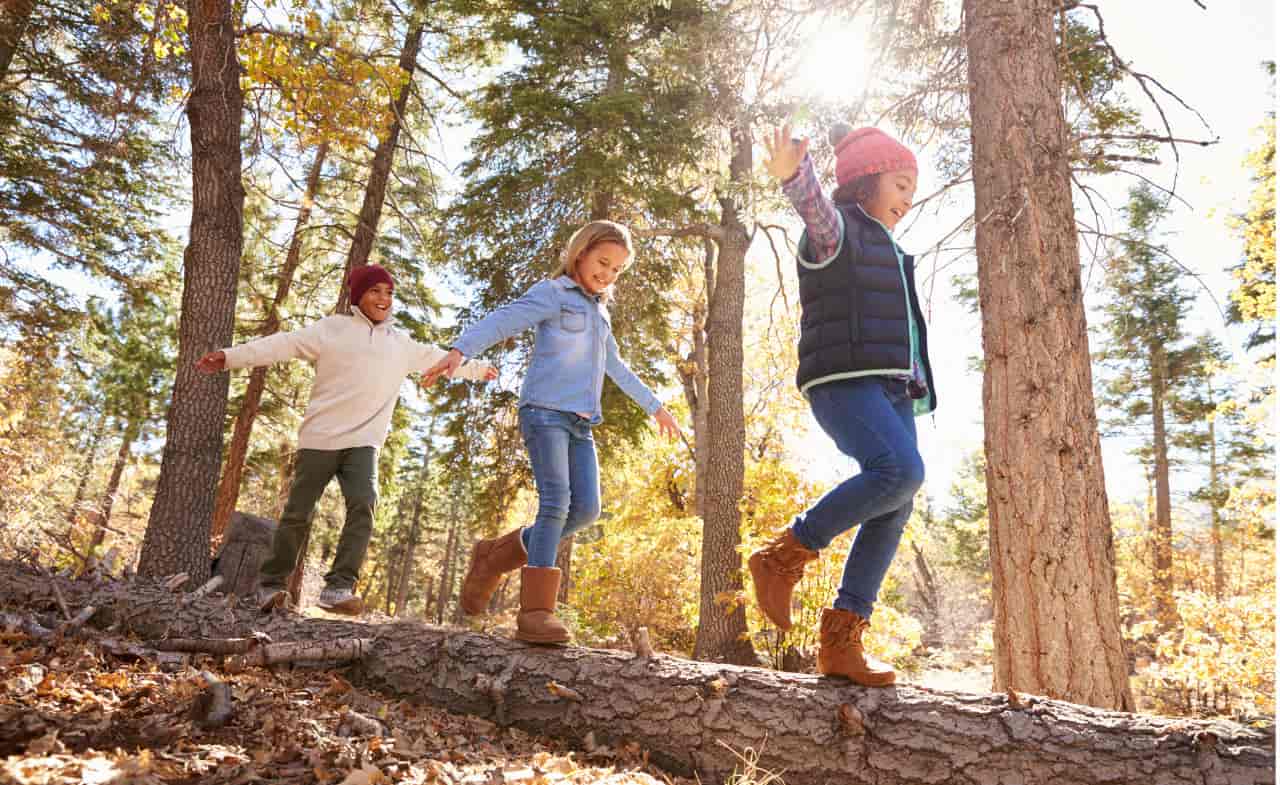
(78, 709)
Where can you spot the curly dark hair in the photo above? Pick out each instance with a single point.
(857, 191)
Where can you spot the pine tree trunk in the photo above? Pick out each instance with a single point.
(410, 551)
(1215, 514)
(693, 376)
(86, 472)
(696, 718)
(127, 438)
(1057, 626)
(14, 15)
(721, 635)
(446, 569)
(380, 171)
(238, 450)
(177, 537)
(1164, 515)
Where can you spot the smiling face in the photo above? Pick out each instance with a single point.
(376, 302)
(892, 198)
(600, 266)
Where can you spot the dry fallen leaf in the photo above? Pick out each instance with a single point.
(366, 775)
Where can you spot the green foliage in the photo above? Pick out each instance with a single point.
(964, 524)
(84, 162)
(1144, 313)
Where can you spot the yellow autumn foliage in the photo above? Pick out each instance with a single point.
(1256, 295)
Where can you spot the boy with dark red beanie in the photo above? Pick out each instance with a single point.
(360, 361)
(864, 367)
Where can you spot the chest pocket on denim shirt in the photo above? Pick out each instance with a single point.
(572, 319)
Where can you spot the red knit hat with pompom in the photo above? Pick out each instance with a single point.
(870, 151)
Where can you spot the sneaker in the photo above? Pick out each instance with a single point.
(341, 601)
(269, 598)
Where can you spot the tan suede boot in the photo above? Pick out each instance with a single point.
(490, 560)
(775, 570)
(840, 653)
(537, 622)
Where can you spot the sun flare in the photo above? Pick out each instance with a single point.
(835, 65)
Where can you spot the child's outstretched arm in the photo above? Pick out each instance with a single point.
(788, 160)
(427, 356)
(638, 391)
(301, 344)
(533, 306)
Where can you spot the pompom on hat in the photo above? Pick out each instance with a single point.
(867, 151)
(365, 277)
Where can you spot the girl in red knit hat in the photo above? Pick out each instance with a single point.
(864, 368)
(361, 360)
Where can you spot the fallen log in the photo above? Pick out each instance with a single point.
(698, 718)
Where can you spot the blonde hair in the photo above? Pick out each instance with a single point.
(588, 237)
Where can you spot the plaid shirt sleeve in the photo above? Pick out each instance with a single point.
(821, 221)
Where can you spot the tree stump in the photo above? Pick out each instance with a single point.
(246, 547)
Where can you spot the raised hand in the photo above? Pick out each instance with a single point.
(447, 365)
(784, 153)
(212, 362)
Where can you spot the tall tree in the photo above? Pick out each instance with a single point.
(233, 463)
(722, 622)
(1057, 628)
(136, 341)
(1195, 404)
(1145, 310)
(177, 537)
(14, 18)
(380, 168)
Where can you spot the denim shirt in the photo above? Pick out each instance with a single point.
(573, 348)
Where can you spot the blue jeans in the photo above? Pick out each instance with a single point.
(871, 420)
(563, 456)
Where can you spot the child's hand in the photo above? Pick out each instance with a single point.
(447, 365)
(490, 373)
(784, 153)
(667, 425)
(212, 362)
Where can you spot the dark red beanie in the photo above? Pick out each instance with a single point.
(870, 151)
(364, 278)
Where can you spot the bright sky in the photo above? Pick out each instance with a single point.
(1212, 60)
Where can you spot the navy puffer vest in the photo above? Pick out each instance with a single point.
(854, 309)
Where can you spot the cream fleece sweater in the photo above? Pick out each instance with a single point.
(359, 369)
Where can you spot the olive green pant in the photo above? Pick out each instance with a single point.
(357, 471)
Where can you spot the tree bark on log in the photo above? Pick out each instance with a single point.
(808, 728)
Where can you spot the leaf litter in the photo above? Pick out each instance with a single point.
(85, 709)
